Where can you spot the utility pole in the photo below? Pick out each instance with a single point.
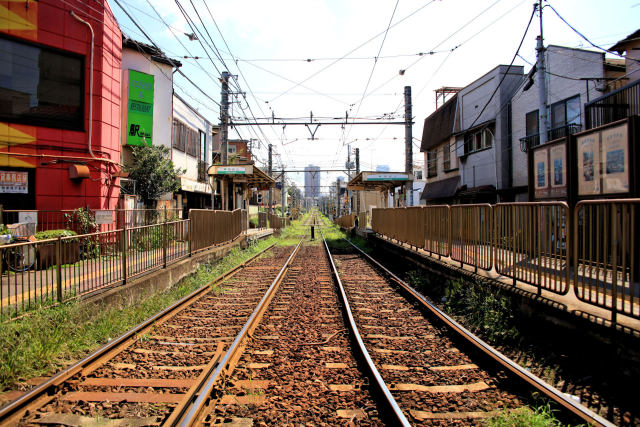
(224, 117)
(224, 134)
(337, 198)
(357, 173)
(408, 145)
(270, 172)
(542, 83)
(349, 177)
(283, 195)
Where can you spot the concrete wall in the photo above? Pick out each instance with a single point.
(488, 166)
(567, 66)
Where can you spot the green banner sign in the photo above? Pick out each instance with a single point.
(140, 109)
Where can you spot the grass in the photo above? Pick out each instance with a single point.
(525, 417)
(54, 337)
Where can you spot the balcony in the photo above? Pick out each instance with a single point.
(617, 105)
(552, 134)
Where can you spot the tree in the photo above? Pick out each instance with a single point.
(153, 172)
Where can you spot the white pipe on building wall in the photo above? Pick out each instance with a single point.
(90, 84)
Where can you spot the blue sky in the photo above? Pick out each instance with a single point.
(297, 56)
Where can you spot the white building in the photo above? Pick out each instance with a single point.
(573, 77)
(191, 151)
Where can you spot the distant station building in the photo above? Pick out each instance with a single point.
(60, 103)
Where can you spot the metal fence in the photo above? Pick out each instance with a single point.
(276, 222)
(592, 248)
(606, 255)
(616, 105)
(346, 221)
(41, 272)
(531, 244)
(471, 235)
(88, 220)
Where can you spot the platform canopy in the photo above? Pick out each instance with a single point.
(251, 175)
(378, 181)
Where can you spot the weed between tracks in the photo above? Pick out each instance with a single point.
(54, 337)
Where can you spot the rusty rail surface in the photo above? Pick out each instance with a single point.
(394, 414)
(504, 362)
(190, 415)
(13, 412)
(591, 248)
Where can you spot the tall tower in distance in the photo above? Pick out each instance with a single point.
(312, 182)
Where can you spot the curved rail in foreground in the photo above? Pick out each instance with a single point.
(18, 406)
(191, 413)
(394, 413)
(548, 390)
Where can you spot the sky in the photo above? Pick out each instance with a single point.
(291, 58)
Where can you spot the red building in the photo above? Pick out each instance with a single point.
(59, 130)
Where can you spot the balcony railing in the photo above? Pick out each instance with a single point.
(617, 105)
(531, 141)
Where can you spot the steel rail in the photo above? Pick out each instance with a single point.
(13, 409)
(394, 414)
(548, 390)
(191, 413)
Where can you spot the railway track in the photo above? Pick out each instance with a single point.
(437, 371)
(321, 338)
(155, 369)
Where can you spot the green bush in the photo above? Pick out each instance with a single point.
(53, 234)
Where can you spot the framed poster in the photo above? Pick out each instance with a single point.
(615, 159)
(558, 169)
(588, 164)
(540, 172)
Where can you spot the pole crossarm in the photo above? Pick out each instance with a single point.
(340, 123)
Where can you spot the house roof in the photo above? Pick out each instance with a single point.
(155, 53)
(443, 189)
(439, 125)
(621, 46)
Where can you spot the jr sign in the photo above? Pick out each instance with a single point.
(140, 109)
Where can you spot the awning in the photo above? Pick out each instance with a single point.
(187, 184)
(378, 181)
(442, 189)
(249, 174)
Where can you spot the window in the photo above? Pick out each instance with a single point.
(40, 86)
(178, 136)
(446, 157)
(203, 147)
(478, 140)
(417, 174)
(185, 139)
(231, 149)
(432, 163)
(532, 123)
(192, 143)
(566, 112)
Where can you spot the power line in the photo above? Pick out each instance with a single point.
(504, 76)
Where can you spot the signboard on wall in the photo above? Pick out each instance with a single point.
(603, 161)
(615, 160)
(15, 182)
(140, 109)
(550, 171)
(104, 216)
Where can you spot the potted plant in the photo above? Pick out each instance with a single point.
(70, 253)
